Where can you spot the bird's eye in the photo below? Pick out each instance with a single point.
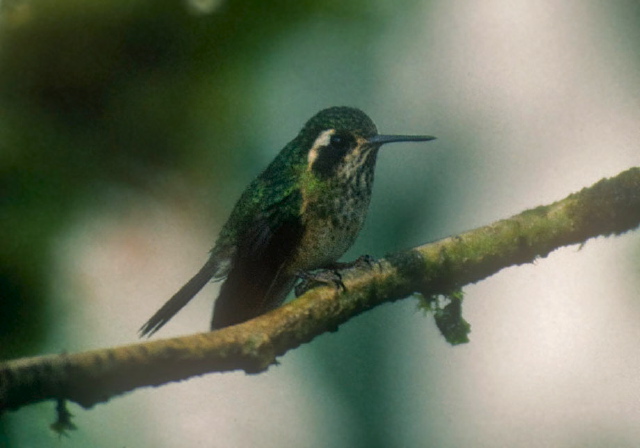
(340, 142)
(328, 157)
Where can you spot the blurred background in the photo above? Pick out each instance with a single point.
(129, 128)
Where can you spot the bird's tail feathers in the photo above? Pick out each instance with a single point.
(180, 299)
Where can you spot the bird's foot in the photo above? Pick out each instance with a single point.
(363, 261)
(330, 275)
(312, 280)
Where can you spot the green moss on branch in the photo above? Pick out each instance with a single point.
(611, 206)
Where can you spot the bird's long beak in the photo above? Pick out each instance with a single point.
(382, 139)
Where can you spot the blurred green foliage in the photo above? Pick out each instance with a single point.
(95, 94)
(101, 96)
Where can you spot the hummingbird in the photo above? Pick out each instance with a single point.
(300, 215)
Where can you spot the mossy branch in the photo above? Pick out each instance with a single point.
(611, 206)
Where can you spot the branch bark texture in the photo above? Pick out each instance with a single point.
(611, 206)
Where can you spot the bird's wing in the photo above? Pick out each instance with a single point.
(255, 283)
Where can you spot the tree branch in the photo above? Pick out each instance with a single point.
(611, 206)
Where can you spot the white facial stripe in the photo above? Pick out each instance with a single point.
(322, 140)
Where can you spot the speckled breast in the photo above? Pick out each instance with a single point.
(333, 224)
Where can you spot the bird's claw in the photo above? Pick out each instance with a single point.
(331, 275)
(364, 261)
(312, 280)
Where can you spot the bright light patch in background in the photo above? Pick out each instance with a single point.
(538, 98)
(556, 349)
(533, 99)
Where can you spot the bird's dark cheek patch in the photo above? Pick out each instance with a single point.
(327, 161)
